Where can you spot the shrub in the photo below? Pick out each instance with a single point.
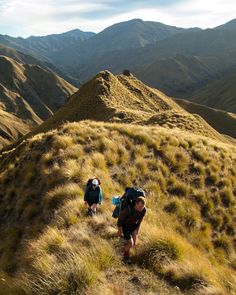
(198, 182)
(216, 221)
(200, 198)
(98, 161)
(200, 155)
(172, 207)
(197, 168)
(224, 243)
(160, 252)
(126, 72)
(141, 166)
(208, 208)
(48, 158)
(75, 152)
(227, 197)
(58, 195)
(177, 188)
(62, 142)
(123, 155)
(211, 179)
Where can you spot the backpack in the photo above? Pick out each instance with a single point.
(128, 200)
(89, 182)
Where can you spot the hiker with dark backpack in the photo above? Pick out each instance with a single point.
(93, 195)
(132, 210)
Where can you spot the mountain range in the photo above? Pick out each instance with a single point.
(175, 60)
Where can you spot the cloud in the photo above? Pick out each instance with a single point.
(31, 17)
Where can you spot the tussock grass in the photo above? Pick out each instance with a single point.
(177, 187)
(58, 195)
(187, 237)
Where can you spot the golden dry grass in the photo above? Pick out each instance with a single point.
(187, 238)
(125, 99)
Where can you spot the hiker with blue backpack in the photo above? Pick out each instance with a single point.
(130, 210)
(93, 195)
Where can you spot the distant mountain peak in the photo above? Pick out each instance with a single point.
(230, 25)
(71, 33)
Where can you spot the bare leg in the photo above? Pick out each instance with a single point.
(94, 207)
(128, 246)
(134, 235)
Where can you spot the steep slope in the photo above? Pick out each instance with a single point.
(219, 93)
(125, 99)
(222, 121)
(50, 246)
(11, 128)
(29, 92)
(181, 75)
(28, 59)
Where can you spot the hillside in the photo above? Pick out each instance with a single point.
(187, 241)
(126, 99)
(211, 43)
(28, 59)
(181, 76)
(220, 93)
(11, 128)
(30, 93)
(223, 122)
(211, 52)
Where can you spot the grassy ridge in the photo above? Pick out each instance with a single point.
(188, 237)
(125, 99)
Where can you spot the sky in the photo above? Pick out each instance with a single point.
(30, 17)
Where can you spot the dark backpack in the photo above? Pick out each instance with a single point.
(130, 196)
(128, 200)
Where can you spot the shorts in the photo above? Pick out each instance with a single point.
(92, 201)
(128, 230)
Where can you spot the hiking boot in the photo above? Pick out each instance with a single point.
(90, 212)
(126, 260)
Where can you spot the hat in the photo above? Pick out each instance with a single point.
(95, 182)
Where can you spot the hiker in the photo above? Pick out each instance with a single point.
(93, 195)
(129, 222)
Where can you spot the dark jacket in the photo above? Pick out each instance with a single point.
(131, 217)
(93, 196)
